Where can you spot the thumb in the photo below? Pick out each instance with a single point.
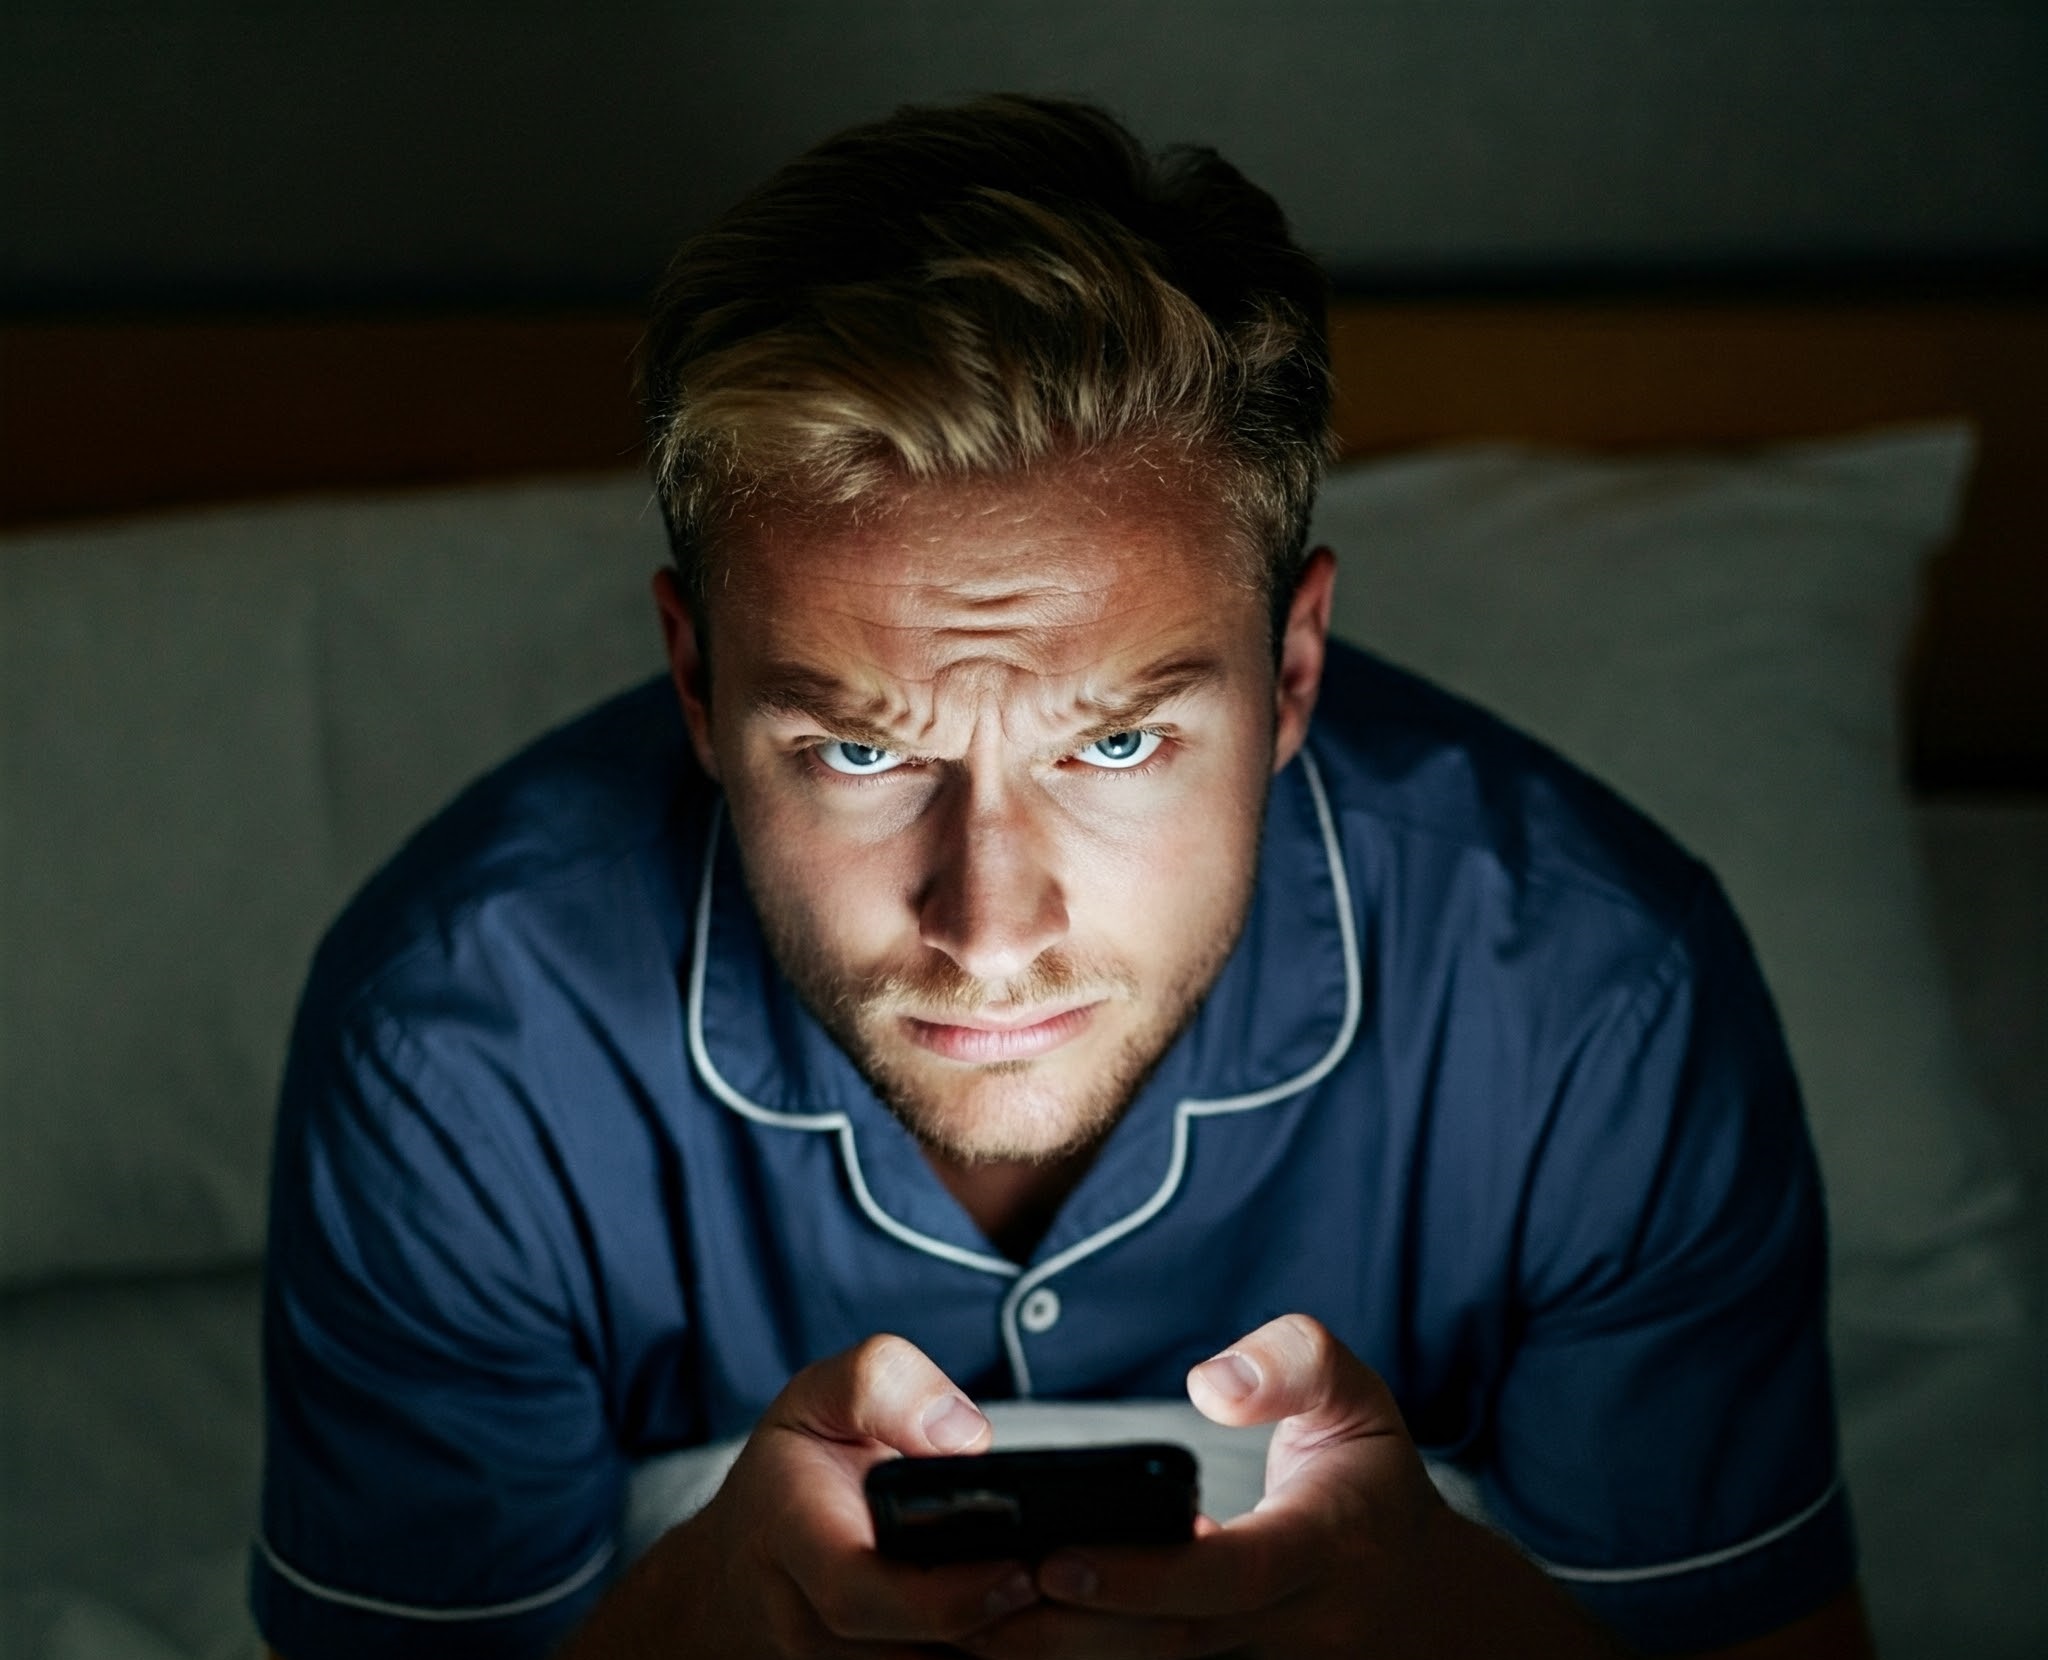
(1324, 1396)
(885, 1389)
(1293, 1368)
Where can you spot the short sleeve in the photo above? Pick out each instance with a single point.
(439, 1473)
(1664, 1436)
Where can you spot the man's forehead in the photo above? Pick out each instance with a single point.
(1040, 538)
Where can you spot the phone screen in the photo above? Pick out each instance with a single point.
(1030, 1502)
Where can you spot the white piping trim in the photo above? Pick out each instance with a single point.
(494, 1611)
(701, 935)
(1692, 1564)
(1354, 999)
(849, 1150)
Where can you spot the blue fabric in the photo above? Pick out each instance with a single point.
(1491, 1085)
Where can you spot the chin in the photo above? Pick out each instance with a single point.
(1007, 1113)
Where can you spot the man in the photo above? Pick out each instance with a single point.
(981, 976)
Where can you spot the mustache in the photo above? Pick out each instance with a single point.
(938, 985)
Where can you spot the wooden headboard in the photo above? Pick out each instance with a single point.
(108, 417)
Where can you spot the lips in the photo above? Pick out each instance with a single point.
(999, 1034)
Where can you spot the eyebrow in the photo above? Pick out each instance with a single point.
(795, 691)
(1158, 684)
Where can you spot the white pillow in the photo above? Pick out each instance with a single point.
(213, 726)
(1719, 637)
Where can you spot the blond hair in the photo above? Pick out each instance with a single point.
(953, 293)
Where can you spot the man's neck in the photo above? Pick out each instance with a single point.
(1013, 1203)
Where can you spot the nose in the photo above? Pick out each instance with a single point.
(992, 899)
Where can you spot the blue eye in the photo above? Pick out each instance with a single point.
(1121, 750)
(857, 760)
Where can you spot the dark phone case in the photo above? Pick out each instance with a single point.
(1030, 1502)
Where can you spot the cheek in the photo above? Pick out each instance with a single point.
(839, 892)
(1168, 868)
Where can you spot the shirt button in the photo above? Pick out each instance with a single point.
(1041, 1310)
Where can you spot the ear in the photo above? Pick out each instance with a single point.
(1302, 646)
(687, 668)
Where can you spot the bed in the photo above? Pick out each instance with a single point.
(270, 590)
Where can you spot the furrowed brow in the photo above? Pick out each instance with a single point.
(792, 691)
(789, 691)
(1155, 687)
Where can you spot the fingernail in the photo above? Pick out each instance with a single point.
(952, 1425)
(1020, 1590)
(1072, 1578)
(1230, 1375)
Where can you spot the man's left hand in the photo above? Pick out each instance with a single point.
(1351, 1548)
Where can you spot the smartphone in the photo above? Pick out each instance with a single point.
(1030, 1502)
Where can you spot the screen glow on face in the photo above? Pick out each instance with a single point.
(1117, 752)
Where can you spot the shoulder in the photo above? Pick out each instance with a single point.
(487, 1011)
(1611, 1019)
(1502, 894)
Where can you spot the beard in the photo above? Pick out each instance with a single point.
(999, 1111)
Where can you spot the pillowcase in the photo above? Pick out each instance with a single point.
(1719, 638)
(213, 726)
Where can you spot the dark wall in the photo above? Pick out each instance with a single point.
(217, 154)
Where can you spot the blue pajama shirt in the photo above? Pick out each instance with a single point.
(566, 1177)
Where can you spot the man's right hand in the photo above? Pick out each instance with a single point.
(783, 1560)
